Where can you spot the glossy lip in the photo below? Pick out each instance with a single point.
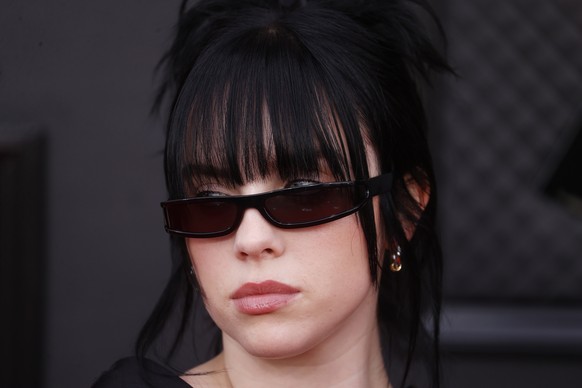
(263, 298)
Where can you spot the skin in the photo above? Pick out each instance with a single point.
(326, 336)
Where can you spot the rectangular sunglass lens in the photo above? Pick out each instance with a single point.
(201, 217)
(310, 205)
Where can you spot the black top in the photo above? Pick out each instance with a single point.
(127, 373)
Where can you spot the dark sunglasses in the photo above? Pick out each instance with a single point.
(296, 207)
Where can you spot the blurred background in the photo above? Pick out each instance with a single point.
(83, 255)
(508, 142)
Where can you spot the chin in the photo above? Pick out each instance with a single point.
(276, 346)
(276, 352)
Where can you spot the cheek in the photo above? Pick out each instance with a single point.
(339, 256)
(212, 276)
(205, 257)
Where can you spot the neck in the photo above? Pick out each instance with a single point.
(355, 363)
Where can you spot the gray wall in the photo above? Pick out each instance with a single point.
(83, 72)
(513, 276)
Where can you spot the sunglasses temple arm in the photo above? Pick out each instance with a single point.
(380, 184)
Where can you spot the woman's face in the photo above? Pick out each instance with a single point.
(279, 293)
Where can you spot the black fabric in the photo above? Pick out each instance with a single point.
(127, 373)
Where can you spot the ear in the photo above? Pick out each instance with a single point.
(420, 192)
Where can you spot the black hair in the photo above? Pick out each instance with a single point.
(295, 83)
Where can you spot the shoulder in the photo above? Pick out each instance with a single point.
(130, 373)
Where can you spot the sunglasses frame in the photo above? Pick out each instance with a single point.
(371, 187)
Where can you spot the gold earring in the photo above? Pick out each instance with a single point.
(396, 262)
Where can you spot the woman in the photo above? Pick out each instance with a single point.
(302, 198)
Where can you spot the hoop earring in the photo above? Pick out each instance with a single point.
(396, 261)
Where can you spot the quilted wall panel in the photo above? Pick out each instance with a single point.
(502, 126)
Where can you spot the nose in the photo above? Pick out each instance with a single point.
(256, 238)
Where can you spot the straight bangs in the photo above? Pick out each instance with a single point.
(265, 106)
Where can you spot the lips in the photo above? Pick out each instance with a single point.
(263, 298)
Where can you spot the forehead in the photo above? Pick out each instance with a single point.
(261, 112)
(242, 153)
